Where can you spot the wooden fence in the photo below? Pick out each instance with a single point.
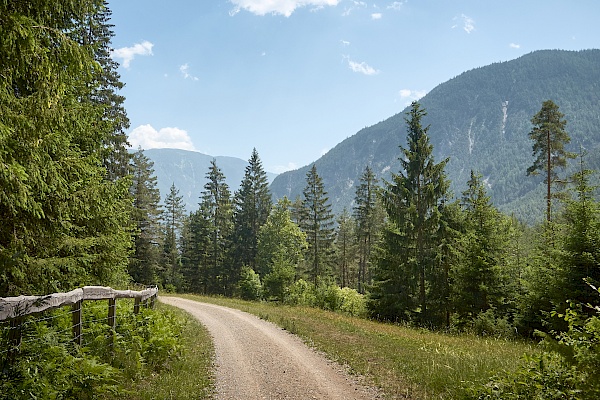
(14, 309)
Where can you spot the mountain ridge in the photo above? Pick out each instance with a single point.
(187, 170)
(481, 120)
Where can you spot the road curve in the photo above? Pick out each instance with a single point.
(257, 360)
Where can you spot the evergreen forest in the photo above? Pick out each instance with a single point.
(78, 209)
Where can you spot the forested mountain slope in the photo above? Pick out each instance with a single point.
(481, 120)
(188, 169)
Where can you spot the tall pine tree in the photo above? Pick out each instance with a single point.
(549, 139)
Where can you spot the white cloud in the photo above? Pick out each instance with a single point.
(362, 67)
(127, 54)
(282, 7)
(354, 6)
(279, 169)
(514, 46)
(468, 24)
(397, 5)
(146, 137)
(184, 69)
(376, 15)
(408, 94)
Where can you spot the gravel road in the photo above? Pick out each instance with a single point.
(257, 360)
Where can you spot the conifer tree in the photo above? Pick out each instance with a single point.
(408, 272)
(173, 216)
(581, 249)
(369, 222)
(144, 265)
(96, 31)
(549, 137)
(345, 249)
(216, 208)
(477, 279)
(317, 223)
(62, 225)
(252, 205)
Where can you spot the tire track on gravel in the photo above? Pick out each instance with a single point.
(257, 360)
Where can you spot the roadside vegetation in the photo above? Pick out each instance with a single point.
(401, 360)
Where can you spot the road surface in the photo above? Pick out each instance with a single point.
(257, 360)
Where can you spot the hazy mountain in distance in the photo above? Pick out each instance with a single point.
(481, 120)
(187, 170)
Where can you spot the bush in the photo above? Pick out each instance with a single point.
(352, 302)
(301, 293)
(249, 286)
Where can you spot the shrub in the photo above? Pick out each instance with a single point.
(352, 302)
(249, 285)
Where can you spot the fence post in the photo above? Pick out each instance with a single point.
(77, 322)
(112, 311)
(136, 305)
(15, 335)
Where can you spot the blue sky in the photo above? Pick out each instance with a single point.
(293, 78)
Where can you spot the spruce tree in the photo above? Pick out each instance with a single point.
(63, 225)
(549, 137)
(581, 249)
(144, 265)
(317, 223)
(173, 217)
(216, 208)
(345, 249)
(477, 279)
(409, 271)
(97, 31)
(369, 222)
(252, 205)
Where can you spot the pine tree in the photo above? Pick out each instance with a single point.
(408, 272)
(195, 257)
(369, 222)
(317, 223)
(173, 216)
(144, 265)
(252, 204)
(549, 136)
(217, 210)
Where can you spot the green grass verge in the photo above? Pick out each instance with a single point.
(190, 376)
(404, 362)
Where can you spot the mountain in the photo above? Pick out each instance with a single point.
(187, 170)
(481, 120)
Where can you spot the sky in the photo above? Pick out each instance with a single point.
(293, 78)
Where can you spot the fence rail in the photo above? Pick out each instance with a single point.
(15, 309)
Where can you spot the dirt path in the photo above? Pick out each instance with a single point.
(257, 360)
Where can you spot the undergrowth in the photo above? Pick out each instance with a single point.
(49, 365)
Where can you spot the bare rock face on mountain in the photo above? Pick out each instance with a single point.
(481, 120)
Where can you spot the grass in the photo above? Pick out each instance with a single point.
(188, 377)
(404, 362)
